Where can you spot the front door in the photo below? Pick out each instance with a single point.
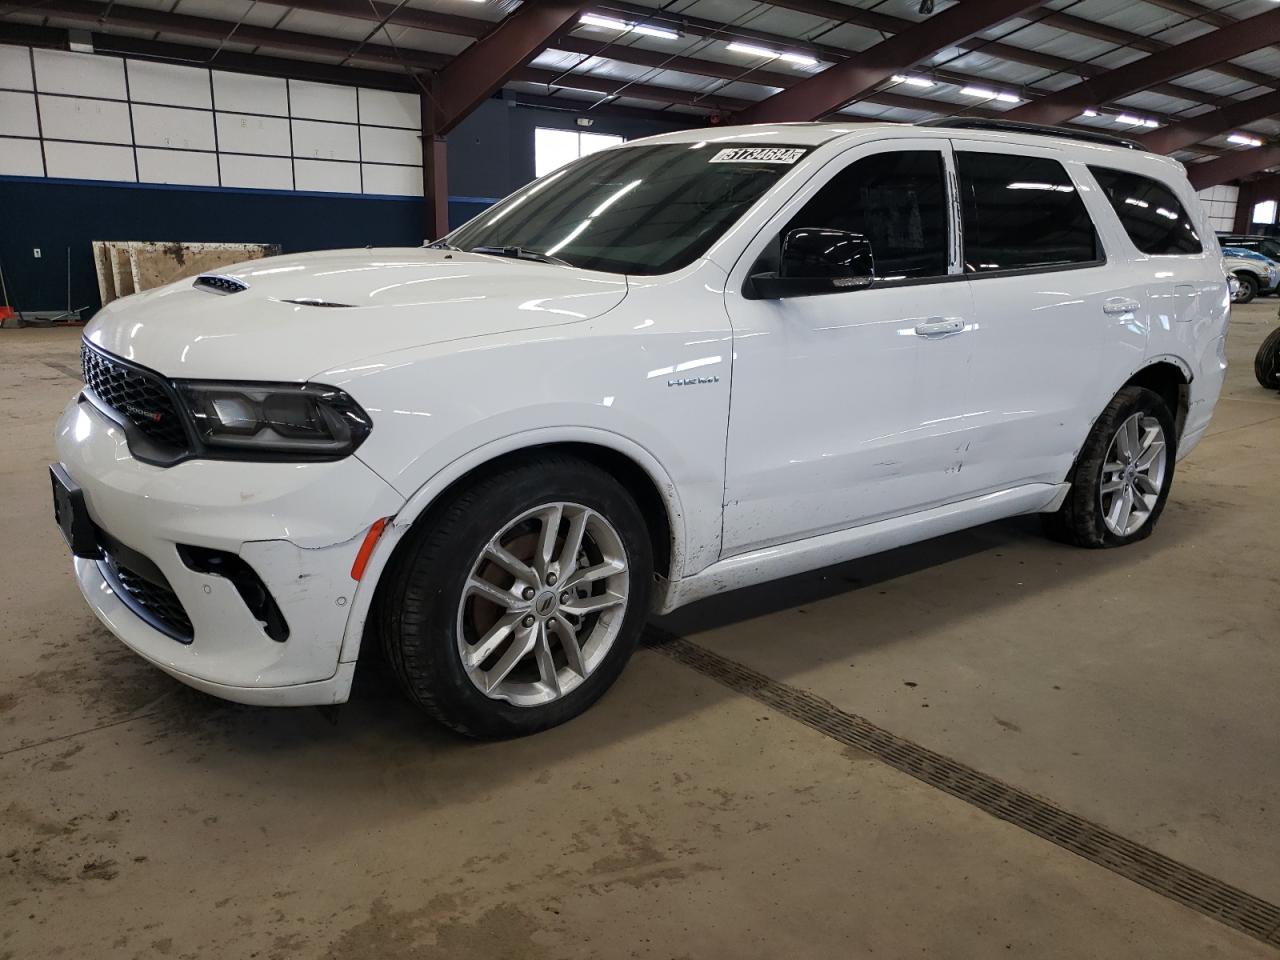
(849, 407)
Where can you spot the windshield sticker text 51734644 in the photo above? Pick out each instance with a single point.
(785, 155)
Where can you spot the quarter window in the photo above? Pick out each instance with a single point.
(1152, 216)
(1021, 213)
(896, 200)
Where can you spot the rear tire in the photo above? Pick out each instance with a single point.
(1248, 289)
(1266, 365)
(516, 603)
(1127, 458)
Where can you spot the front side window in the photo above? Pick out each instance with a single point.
(898, 201)
(1149, 212)
(1021, 213)
(638, 210)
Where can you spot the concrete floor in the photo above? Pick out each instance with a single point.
(677, 819)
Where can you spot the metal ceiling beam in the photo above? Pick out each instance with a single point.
(471, 27)
(609, 87)
(480, 70)
(1206, 125)
(400, 15)
(886, 23)
(637, 56)
(472, 77)
(1126, 38)
(256, 63)
(723, 71)
(141, 18)
(1233, 166)
(681, 121)
(1195, 11)
(828, 91)
(1243, 37)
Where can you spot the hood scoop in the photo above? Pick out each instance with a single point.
(220, 284)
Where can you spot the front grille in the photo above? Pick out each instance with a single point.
(151, 599)
(138, 395)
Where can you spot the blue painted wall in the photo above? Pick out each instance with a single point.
(56, 214)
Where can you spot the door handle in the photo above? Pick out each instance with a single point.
(939, 326)
(1118, 305)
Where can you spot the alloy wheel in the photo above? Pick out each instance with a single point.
(1133, 474)
(543, 604)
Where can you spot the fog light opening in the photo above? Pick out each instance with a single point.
(244, 578)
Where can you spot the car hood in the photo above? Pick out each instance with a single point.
(300, 314)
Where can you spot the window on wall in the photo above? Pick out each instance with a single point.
(1264, 212)
(1150, 213)
(1021, 213)
(553, 148)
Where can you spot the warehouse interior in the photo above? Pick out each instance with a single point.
(983, 744)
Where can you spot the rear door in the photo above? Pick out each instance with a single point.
(1056, 316)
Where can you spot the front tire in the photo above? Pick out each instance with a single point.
(1266, 365)
(1248, 289)
(1121, 478)
(516, 603)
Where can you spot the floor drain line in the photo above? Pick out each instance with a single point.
(1217, 900)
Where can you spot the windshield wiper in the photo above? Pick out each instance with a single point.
(442, 245)
(520, 253)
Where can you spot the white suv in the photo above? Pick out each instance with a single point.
(692, 363)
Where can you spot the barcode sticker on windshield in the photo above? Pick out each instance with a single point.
(787, 155)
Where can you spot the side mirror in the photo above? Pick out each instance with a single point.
(817, 260)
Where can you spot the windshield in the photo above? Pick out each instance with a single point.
(638, 210)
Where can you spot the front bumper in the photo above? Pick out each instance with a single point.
(297, 525)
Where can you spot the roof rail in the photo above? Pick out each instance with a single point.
(1036, 129)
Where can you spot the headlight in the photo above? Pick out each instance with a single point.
(281, 419)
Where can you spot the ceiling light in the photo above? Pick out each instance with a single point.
(1089, 113)
(593, 20)
(983, 93)
(913, 81)
(751, 49)
(622, 26)
(1243, 140)
(1131, 121)
(661, 32)
(801, 59)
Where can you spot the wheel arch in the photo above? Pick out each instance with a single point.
(1170, 377)
(1241, 273)
(634, 467)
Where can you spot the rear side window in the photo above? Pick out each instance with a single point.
(1021, 213)
(1149, 211)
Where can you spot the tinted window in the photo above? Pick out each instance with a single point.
(1021, 212)
(898, 201)
(1150, 213)
(641, 210)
